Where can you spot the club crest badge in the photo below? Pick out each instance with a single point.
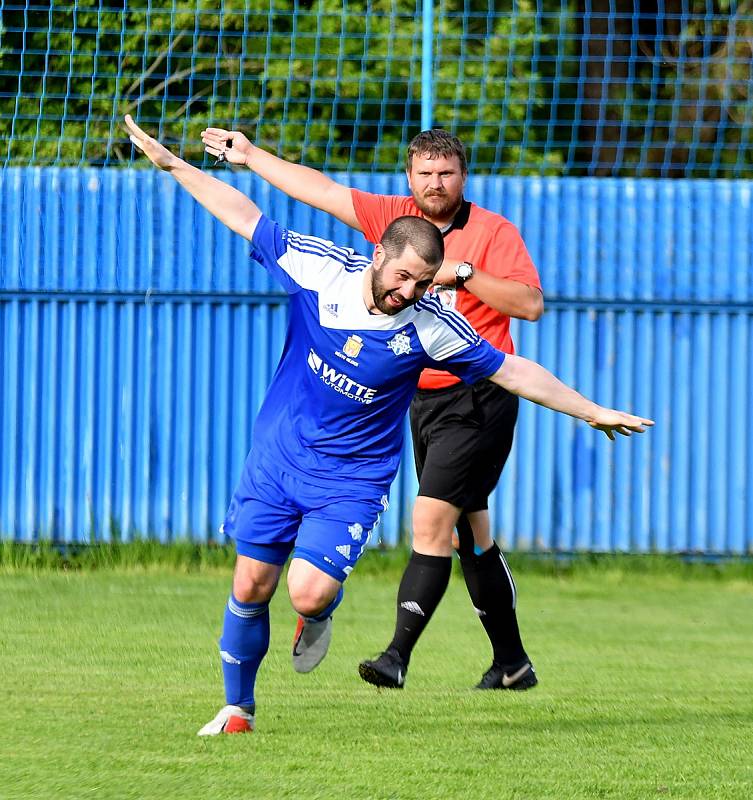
(400, 344)
(352, 346)
(356, 531)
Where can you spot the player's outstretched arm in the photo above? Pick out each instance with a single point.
(229, 205)
(301, 183)
(530, 380)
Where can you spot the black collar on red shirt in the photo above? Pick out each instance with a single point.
(461, 218)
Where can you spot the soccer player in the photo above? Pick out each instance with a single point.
(462, 435)
(328, 437)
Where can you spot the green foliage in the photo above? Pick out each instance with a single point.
(334, 86)
(495, 82)
(146, 555)
(537, 88)
(190, 557)
(692, 85)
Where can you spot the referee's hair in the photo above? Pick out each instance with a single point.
(419, 233)
(437, 143)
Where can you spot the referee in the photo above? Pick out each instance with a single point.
(462, 435)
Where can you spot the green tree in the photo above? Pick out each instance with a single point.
(334, 84)
(552, 86)
(667, 94)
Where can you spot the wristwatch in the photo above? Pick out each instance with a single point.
(463, 272)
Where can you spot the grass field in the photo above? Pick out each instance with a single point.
(646, 691)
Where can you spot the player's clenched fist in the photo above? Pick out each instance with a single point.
(230, 146)
(159, 155)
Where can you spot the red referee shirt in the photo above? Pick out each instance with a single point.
(489, 241)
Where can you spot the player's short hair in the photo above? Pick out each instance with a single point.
(423, 236)
(437, 143)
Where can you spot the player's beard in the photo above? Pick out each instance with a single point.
(438, 205)
(380, 294)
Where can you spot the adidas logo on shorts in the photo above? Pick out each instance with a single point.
(343, 550)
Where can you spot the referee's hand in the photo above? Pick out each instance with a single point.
(230, 146)
(158, 154)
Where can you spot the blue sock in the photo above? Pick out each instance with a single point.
(329, 610)
(244, 643)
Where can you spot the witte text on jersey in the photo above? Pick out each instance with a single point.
(339, 381)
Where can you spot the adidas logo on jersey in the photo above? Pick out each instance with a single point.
(331, 308)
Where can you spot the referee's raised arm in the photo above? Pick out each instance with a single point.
(297, 181)
(225, 202)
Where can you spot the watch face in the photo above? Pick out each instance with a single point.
(463, 271)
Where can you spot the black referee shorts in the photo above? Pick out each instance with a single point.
(462, 436)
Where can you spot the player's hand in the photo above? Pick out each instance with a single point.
(158, 154)
(230, 146)
(610, 422)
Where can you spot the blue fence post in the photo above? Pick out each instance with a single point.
(427, 62)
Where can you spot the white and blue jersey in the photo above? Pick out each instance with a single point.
(328, 437)
(334, 410)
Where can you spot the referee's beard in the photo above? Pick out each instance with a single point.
(438, 205)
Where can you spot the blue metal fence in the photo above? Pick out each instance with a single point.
(136, 340)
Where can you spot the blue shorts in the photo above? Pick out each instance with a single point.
(272, 512)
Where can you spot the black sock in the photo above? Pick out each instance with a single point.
(421, 588)
(466, 543)
(492, 592)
